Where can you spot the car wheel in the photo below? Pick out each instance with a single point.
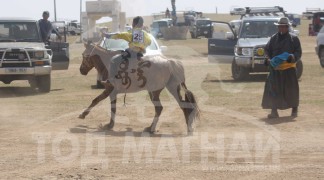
(321, 57)
(299, 69)
(192, 35)
(44, 83)
(72, 33)
(239, 73)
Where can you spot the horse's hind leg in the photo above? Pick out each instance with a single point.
(95, 101)
(113, 101)
(155, 98)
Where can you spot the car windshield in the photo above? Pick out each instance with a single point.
(18, 31)
(258, 29)
(120, 44)
(203, 23)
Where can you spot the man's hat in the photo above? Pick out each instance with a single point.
(283, 22)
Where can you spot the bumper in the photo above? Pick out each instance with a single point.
(38, 70)
(243, 61)
(247, 61)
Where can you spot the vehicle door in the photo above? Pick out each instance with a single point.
(60, 53)
(221, 43)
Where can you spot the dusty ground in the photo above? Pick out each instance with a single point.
(42, 138)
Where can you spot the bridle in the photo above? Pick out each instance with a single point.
(87, 60)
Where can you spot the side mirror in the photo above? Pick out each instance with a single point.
(229, 35)
(163, 48)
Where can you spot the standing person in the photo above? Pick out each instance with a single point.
(167, 13)
(281, 88)
(138, 40)
(46, 27)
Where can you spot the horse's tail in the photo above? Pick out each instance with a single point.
(191, 109)
(190, 105)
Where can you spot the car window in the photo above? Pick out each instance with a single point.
(258, 29)
(18, 31)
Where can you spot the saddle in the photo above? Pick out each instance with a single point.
(128, 54)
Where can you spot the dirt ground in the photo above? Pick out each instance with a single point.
(42, 137)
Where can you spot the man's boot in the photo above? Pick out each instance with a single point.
(294, 112)
(274, 114)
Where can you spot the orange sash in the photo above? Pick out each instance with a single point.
(285, 65)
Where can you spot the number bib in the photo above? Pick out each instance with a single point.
(138, 36)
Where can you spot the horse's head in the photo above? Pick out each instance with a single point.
(87, 56)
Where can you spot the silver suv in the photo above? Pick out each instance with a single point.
(23, 55)
(245, 49)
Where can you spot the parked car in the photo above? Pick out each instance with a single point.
(200, 27)
(237, 11)
(316, 23)
(24, 56)
(120, 44)
(320, 46)
(244, 50)
(157, 25)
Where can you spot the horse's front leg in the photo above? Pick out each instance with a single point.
(155, 98)
(95, 101)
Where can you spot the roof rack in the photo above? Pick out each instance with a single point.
(264, 11)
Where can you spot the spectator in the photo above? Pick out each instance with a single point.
(281, 88)
(167, 13)
(46, 27)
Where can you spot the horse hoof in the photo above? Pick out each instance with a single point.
(110, 126)
(105, 127)
(190, 133)
(81, 116)
(148, 129)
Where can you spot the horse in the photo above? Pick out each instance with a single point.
(150, 73)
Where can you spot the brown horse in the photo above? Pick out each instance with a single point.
(152, 73)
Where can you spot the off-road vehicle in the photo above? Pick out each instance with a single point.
(245, 49)
(200, 27)
(23, 55)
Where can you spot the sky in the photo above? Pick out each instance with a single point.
(70, 9)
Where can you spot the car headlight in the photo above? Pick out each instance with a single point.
(247, 51)
(39, 54)
(238, 50)
(260, 52)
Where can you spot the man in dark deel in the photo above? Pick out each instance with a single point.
(46, 27)
(281, 88)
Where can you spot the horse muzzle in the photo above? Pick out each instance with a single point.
(83, 72)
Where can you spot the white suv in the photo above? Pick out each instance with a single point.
(23, 55)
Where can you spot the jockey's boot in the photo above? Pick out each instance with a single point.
(294, 112)
(274, 114)
(139, 56)
(126, 54)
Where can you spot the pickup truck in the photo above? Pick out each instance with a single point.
(24, 56)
